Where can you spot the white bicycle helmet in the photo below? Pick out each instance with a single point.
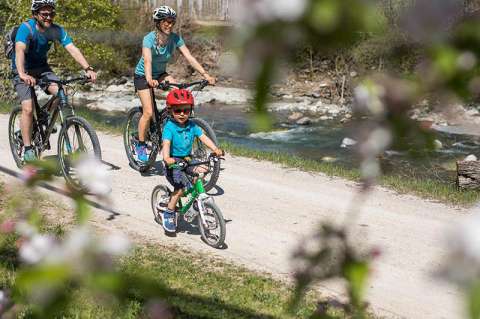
(38, 4)
(164, 12)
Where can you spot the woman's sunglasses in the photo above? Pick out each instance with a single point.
(171, 22)
(185, 111)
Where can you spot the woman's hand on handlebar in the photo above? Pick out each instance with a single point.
(211, 80)
(152, 83)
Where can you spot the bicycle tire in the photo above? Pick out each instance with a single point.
(200, 152)
(16, 144)
(164, 193)
(131, 127)
(64, 161)
(217, 241)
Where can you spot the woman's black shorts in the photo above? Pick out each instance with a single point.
(140, 82)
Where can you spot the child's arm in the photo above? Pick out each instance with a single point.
(209, 143)
(166, 152)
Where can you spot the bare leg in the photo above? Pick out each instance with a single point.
(174, 199)
(147, 105)
(53, 90)
(26, 122)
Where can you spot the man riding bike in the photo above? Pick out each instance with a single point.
(29, 62)
(157, 50)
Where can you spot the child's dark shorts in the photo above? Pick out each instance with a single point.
(178, 178)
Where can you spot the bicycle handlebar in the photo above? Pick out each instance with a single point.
(167, 85)
(211, 157)
(83, 79)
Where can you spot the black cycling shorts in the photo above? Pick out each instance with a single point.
(140, 82)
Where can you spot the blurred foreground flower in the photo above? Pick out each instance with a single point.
(253, 12)
(463, 263)
(36, 249)
(94, 175)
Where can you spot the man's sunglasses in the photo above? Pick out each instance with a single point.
(46, 15)
(182, 110)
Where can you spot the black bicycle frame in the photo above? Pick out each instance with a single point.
(60, 105)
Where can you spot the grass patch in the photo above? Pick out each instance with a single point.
(196, 286)
(426, 188)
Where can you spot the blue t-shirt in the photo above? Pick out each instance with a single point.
(160, 54)
(38, 43)
(181, 137)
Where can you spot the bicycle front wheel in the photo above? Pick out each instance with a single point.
(160, 198)
(200, 152)
(212, 225)
(76, 139)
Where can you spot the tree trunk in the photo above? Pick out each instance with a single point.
(468, 174)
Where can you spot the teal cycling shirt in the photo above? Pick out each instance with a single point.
(181, 137)
(39, 43)
(160, 54)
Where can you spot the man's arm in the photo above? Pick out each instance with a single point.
(78, 56)
(20, 48)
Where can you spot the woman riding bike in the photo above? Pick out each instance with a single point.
(158, 48)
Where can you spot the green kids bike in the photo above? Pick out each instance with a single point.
(194, 204)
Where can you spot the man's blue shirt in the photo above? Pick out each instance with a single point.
(39, 43)
(181, 137)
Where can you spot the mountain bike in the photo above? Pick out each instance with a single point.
(153, 136)
(76, 135)
(196, 204)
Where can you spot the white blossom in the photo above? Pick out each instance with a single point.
(25, 229)
(115, 245)
(368, 97)
(259, 11)
(463, 243)
(466, 61)
(73, 248)
(94, 175)
(37, 248)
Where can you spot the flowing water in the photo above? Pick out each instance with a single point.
(321, 142)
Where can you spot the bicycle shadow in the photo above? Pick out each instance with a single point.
(58, 171)
(157, 169)
(113, 213)
(218, 191)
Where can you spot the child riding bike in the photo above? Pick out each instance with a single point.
(158, 48)
(177, 141)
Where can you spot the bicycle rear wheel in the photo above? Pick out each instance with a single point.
(15, 137)
(212, 228)
(77, 138)
(130, 140)
(200, 152)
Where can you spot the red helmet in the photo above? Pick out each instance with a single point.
(179, 97)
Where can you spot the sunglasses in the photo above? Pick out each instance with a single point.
(46, 15)
(171, 22)
(182, 110)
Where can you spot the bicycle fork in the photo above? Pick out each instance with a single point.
(202, 198)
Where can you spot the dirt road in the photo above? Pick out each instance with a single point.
(270, 209)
